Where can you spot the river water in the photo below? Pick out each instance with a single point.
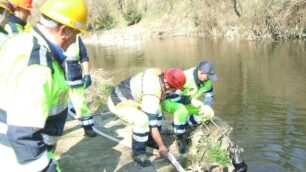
(261, 89)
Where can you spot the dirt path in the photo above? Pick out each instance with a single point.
(77, 153)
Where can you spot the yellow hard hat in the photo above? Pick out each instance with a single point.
(6, 5)
(72, 13)
(25, 4)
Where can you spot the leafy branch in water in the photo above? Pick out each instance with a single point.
(217, 154)
(211, 152)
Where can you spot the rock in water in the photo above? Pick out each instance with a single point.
(209, 148)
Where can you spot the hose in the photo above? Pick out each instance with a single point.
(170, 157)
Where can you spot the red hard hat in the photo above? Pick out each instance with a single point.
(175, 77)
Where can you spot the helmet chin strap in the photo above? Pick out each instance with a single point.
(163, 84)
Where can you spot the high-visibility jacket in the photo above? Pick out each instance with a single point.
(34, 95)
(193, 87)
(136, 100)
(180, 103)
(15, 25)
(143, 90)
(76, 54)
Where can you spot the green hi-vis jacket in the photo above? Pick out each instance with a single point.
(14, 28)
(74, 79)
(15, 25)
(34, 95)
(193, 87)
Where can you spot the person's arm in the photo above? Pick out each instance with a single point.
(209, 97)
(84, 59)
(163, 151)
(150, 105)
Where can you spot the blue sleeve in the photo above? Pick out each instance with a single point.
(27, 143)
(83, 52)
(209, 97)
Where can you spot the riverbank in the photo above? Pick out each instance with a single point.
(128, 19)
(78, 153)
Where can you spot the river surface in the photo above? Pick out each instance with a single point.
(261, 89)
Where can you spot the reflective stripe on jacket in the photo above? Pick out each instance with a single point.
(193, 87)
(34, 93)
(15, 25)
(134, 88)
(73, 69)
(143, 88)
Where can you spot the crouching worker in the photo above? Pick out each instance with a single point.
(137, 101)
(34, 92)
(185, 107)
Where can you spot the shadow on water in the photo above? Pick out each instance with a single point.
(260, 89)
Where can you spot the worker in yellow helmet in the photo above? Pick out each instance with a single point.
(33, 87)
(18, 19)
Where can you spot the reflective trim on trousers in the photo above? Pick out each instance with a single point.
(153, 122)
(55, 110)
(193, 120)
(179, 131)
(87, 122)
(179, 127)
(49, 140)
(179, 123)
(77, 82)
(140, 138)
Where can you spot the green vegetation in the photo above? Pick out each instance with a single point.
(131, 14)
(208, 152)
(252, 19)
(218, 155)
(104, 22)
(276, 19)
(98, 93)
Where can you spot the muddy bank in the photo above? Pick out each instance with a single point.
(78, 153)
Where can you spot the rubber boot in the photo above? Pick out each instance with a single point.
(142, 160)
(181, 143)
(139, 154)
(89, 131)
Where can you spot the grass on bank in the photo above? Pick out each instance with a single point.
(209, 152)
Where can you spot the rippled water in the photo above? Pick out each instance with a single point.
(261, 89)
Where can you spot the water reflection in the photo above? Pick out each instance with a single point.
(260, 91)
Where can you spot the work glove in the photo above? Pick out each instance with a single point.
(87, 81)
(197, 103)
(206, 113)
